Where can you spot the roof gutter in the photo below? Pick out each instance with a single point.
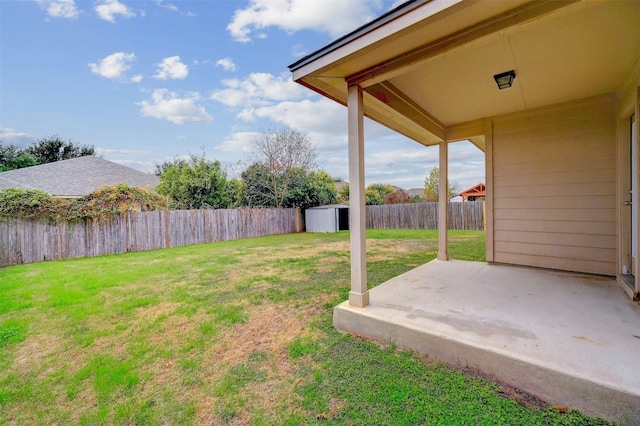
(382, 20)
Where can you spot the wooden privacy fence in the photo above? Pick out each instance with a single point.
(467, 215)
(32, 241)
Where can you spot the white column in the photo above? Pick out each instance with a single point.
(359, 295)
(443, 202)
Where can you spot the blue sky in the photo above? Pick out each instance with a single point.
(144, 81)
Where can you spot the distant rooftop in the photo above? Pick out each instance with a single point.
(76, 177)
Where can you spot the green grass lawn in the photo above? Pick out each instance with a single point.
(229, 333)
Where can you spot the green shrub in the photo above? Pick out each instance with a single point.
(102, 204)
(22, 203)
(110, 201)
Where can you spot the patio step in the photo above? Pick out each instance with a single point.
(570, 339)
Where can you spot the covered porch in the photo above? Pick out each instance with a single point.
(562, 154)
(571, 339)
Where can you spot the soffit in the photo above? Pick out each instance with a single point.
(582, 54)
(569, 50)
(403, 34)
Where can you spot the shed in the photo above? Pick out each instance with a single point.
(331, 218)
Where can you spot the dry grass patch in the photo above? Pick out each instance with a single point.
(258, 345)
(35, 353)
(391, 249)
(147, 314)
(173, 332)
(270, 329)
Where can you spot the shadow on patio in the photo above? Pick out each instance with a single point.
(570, 339)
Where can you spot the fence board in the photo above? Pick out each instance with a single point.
(462, 215)
(33, 241)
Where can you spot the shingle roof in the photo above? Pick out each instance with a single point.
(75, 177)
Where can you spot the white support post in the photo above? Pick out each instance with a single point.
(443, 202)
(359, 294)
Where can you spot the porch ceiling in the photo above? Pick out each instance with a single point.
(430, 77)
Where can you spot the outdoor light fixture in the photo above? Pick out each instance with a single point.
(505, 79)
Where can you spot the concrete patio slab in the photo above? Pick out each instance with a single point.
(570, 339)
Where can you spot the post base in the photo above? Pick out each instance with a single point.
(359, 300)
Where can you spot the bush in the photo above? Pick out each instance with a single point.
(111, 201)
(399, 196)
(194, 184)
(102, 204)
(22, 203)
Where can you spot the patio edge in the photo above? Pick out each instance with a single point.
(553, 386)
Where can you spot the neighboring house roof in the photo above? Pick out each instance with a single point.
(478, 190)
(415, 191)
(340, 185)
(75, 177)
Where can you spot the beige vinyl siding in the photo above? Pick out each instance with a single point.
(554, 187)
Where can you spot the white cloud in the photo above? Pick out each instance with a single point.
(172, 68)
(323, 117)
(114, 65)
(226, 64)
(108, 9)
(114, 151)
(335, 17)
(136, 78)
(169, 6)
(9, 136)
(173, 8)
(298, 51)
(259, 89)
(167, 105)
(389, 159)
(239, 142)
(60, 8)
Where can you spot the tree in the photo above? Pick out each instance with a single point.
(51, 149)
(256, 181)
(167, 164)
(234, 192)
(432, 185)
(399, 196)
(310, 190)
(195, 184)
(282, 155)
(12, 157)
(304, 189)
(343, 194)
(375, 193)
(321, 188)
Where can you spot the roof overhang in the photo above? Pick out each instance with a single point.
(427, 66)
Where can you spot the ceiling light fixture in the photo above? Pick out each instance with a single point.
(505, 79)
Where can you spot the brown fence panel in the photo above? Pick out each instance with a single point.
(462, 215)
(33, 241)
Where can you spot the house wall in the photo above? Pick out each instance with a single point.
(628, 101)
(554, 187)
